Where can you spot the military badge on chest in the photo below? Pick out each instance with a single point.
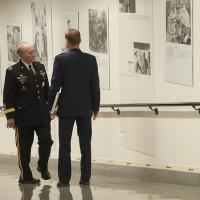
(24, 88)
(22, 79)
(43, 75)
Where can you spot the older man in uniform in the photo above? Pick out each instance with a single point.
(25, 100)
(76, 73)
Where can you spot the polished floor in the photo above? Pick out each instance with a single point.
(102, 188)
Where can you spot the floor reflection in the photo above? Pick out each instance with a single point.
(45, 192)
(65, 194)
(27, 191)
(102, 187)
(86, 193)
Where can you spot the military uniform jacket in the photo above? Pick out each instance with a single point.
(25, 95)
(76, 73)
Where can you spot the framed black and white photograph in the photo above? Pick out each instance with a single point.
(13, 39)
(99, 43)
(179, 42)
(98, 31)
(127, 6)
(142, 58)
(39, 24)
(68, 20)
(178, 21)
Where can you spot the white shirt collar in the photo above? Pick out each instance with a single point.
(26, 64)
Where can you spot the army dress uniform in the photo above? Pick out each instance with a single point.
(25, 100)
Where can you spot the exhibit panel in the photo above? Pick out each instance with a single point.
(136, 59)
(99, 43)
(136, 43)
(179, 42)
(14, 37)
(39, 30)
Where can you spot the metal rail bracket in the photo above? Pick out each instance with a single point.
(196, 108)
(155, 110)
(116, 110)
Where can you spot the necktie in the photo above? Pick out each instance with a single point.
(31, 69)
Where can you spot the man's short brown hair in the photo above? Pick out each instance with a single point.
(73, 36)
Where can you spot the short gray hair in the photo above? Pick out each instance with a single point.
(21, 47)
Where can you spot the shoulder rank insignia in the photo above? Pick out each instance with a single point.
(10, 68)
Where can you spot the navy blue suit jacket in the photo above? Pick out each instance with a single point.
(77, 74)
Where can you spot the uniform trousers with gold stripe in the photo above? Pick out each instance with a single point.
(24, 141)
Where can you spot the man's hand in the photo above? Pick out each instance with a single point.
(53, 114)
(95, 114)
(11, 123)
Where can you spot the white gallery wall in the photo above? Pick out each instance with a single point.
(177, 134)
(171, 138)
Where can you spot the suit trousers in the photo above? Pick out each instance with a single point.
(24, 140)
(84, 131)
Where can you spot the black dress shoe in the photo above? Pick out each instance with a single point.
(31, 181)
(81, 182)
(59, 184)
(45, 175)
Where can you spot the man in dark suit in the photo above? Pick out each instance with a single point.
(76, 73)
(25, 100)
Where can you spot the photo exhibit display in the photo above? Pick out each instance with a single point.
(142, 58)
(179, 42)
(99, 43)
(13, 40)
(127, 6)
(98, 31)
(178, 21)
(39, 24)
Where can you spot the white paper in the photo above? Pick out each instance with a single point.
(14, 36)
(179, 54)
(39, 24)
(99, 43)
